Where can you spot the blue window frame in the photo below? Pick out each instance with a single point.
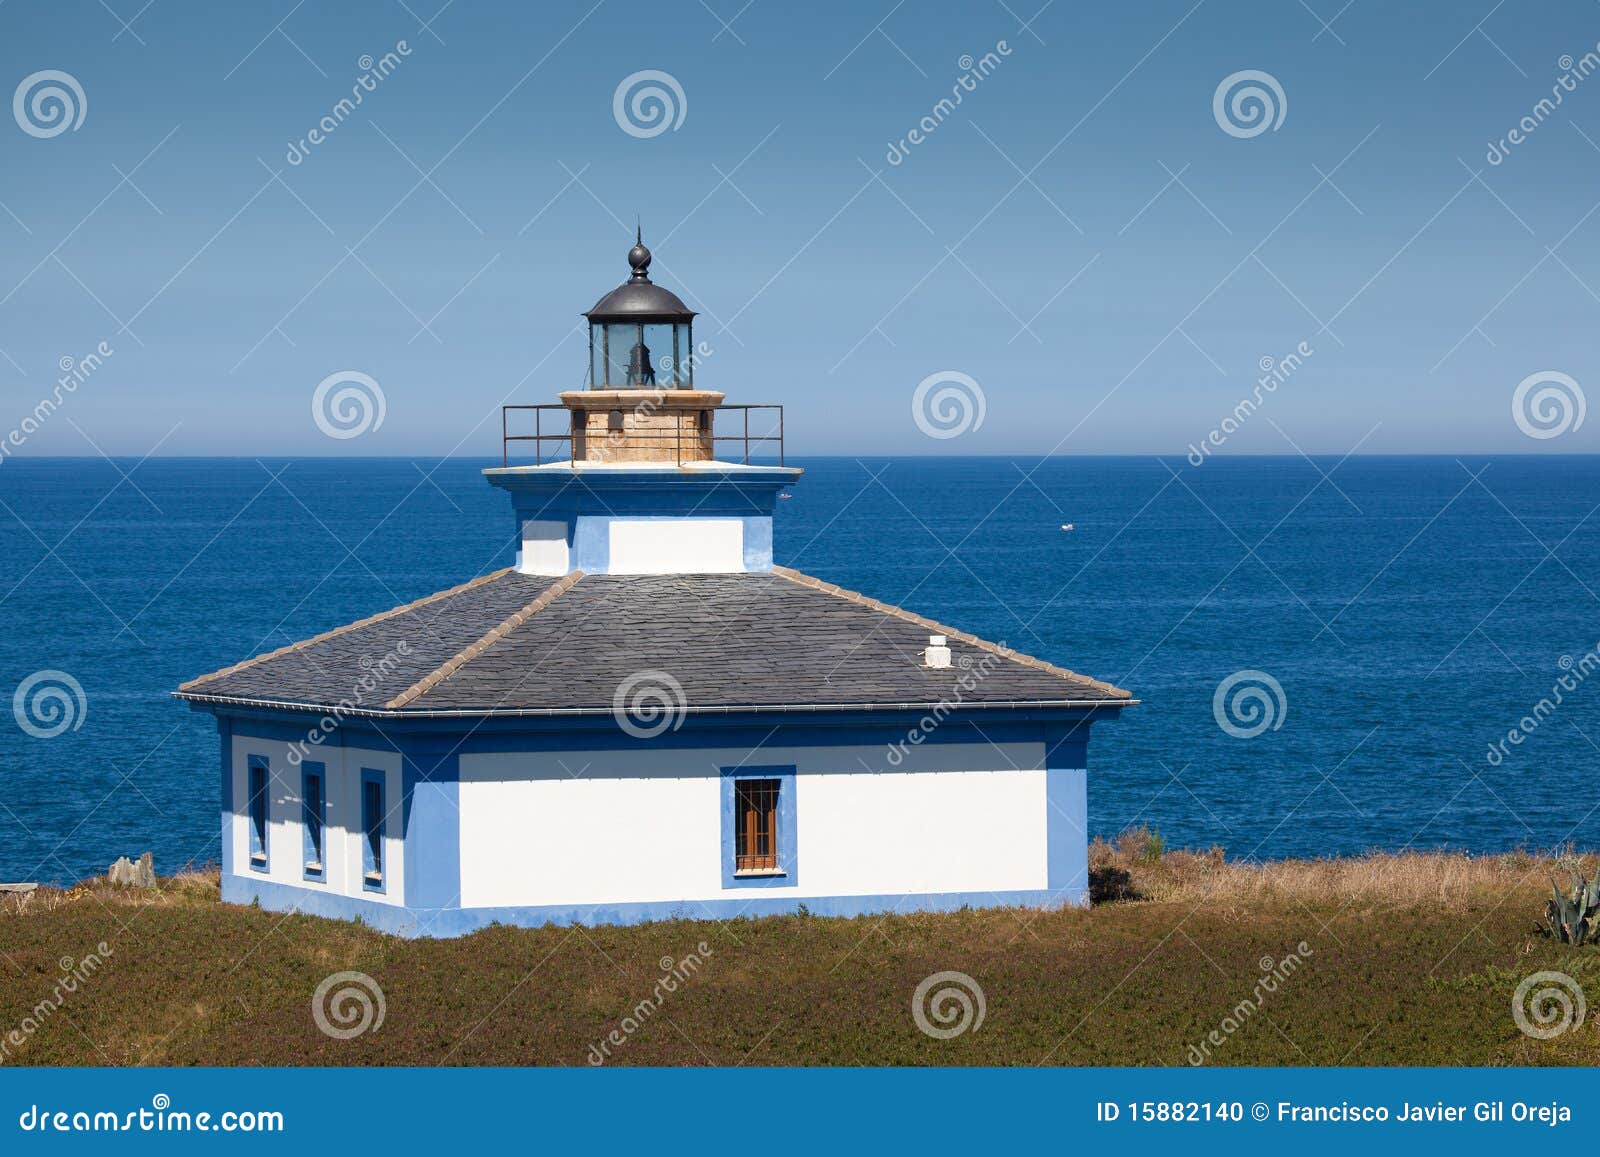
(373, 819)
(314, 818)
(259, 776)
(758, 828)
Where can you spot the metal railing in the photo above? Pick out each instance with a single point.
(678, 437)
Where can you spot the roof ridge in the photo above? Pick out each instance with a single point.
(461, 658)
(368, 621)
(801, 579)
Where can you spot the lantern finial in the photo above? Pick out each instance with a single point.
(639, 256)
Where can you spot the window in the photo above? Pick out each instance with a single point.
(755, 835)
(372, 823)
(257, 792)
(314, 814)
(759, 826)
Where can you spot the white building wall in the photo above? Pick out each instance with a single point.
(676, 545)
(544, 548)
(926, 831)
(626, 827)
(343, 837)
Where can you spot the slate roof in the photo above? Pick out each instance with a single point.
(517, 644)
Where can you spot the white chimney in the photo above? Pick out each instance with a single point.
(937, 654)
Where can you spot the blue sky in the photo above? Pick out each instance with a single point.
(1080, 237)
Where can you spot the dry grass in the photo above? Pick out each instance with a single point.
(1407, 959)
(1137, 867)
(185, 887)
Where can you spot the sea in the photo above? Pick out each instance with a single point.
(1330, 655)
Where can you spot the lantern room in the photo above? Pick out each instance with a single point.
(641, 336)
(641, 404)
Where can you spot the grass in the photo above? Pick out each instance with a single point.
(1409, 959)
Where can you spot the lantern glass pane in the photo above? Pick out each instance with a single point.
(682, 356)
(651, 365)
(619, 339)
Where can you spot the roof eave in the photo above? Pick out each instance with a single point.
(592, 712)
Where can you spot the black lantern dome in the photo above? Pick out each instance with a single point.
(640, 335)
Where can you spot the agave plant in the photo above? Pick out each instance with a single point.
(1575, 919)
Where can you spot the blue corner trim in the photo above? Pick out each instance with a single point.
(374, 825)
(591, 544)
(757, 543)
(225, 735)
(431, 821)
(424, 922)
(1066, 759)
(314, 821)
(788, 836)
(258, 796)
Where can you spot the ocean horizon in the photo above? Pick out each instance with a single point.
(1230, 456)
(1410, 614)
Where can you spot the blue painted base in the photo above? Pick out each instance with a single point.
(447, 922)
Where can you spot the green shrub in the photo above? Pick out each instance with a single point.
(1153, 847)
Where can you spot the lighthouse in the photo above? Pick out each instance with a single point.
(642, 715)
